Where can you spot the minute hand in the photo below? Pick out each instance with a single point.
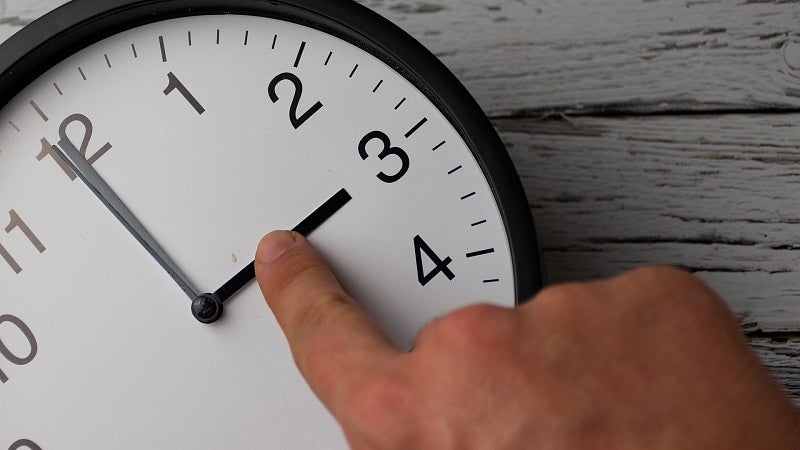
(103, 191)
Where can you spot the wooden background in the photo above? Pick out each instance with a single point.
(645, 132)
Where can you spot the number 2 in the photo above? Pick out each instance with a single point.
(297, 122)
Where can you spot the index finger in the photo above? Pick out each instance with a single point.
(334, 342)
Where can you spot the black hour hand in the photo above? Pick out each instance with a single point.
(207, 308)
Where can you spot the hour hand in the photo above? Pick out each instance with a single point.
(207, 308)
(103, 191)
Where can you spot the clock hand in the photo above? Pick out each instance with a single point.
(103, 191)
(207, 308)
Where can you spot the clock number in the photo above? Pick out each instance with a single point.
(387, 151)
(8, 354)
(47, 149)
(16, 222)
(175, 83)
(441, 266)
(297, 122)
(24, 443)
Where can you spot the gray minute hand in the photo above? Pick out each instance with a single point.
(103, 191)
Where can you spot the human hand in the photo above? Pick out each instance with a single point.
(652, 358)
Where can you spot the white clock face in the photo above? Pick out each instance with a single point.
(98, 346)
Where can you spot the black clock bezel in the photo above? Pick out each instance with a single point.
(80, 23)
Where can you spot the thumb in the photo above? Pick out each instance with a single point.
(332, 338)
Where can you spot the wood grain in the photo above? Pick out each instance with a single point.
(780, 355)
(713, 194)
(589, 56)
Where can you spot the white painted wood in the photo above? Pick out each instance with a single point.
(717, 194)
(568, 53)
(14, 14)
(780, 355)
(588, 55)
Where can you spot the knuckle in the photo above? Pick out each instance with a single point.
(563, 302)
(648, 276)
(683, 300)
(473, 326)
(683, 288)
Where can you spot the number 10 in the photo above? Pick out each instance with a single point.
(6, 352)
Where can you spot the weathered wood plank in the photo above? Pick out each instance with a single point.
(14, 14)
(715, 194)
(585, 56)
(780, 356)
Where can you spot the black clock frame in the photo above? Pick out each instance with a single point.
(80, 23)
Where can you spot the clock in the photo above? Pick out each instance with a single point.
(146, 147)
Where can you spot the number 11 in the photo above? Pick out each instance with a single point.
(17, 222)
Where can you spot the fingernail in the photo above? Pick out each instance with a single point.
(274, 245)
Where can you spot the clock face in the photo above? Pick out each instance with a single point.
(215, 129)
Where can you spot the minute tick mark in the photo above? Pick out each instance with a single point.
(377, 87)
(327, 60)
(108, 61)
(83, 75)
(416, 127)
(274, 41)
(299, 54)
(400, 104)
(455, 170)
(481, 222)
(480, 253)
(163, 49)
(468, 195)
(439, 146)
(39, 111)
(354, 71)
(246, 36)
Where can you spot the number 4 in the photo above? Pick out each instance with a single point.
(420, 247)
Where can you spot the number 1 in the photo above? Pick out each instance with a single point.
(175, 83)
(17, 222)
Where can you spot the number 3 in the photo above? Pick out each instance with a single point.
(387, 151)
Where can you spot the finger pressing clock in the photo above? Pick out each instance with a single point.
(207, 308)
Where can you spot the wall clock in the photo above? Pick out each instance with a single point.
(209, 123)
